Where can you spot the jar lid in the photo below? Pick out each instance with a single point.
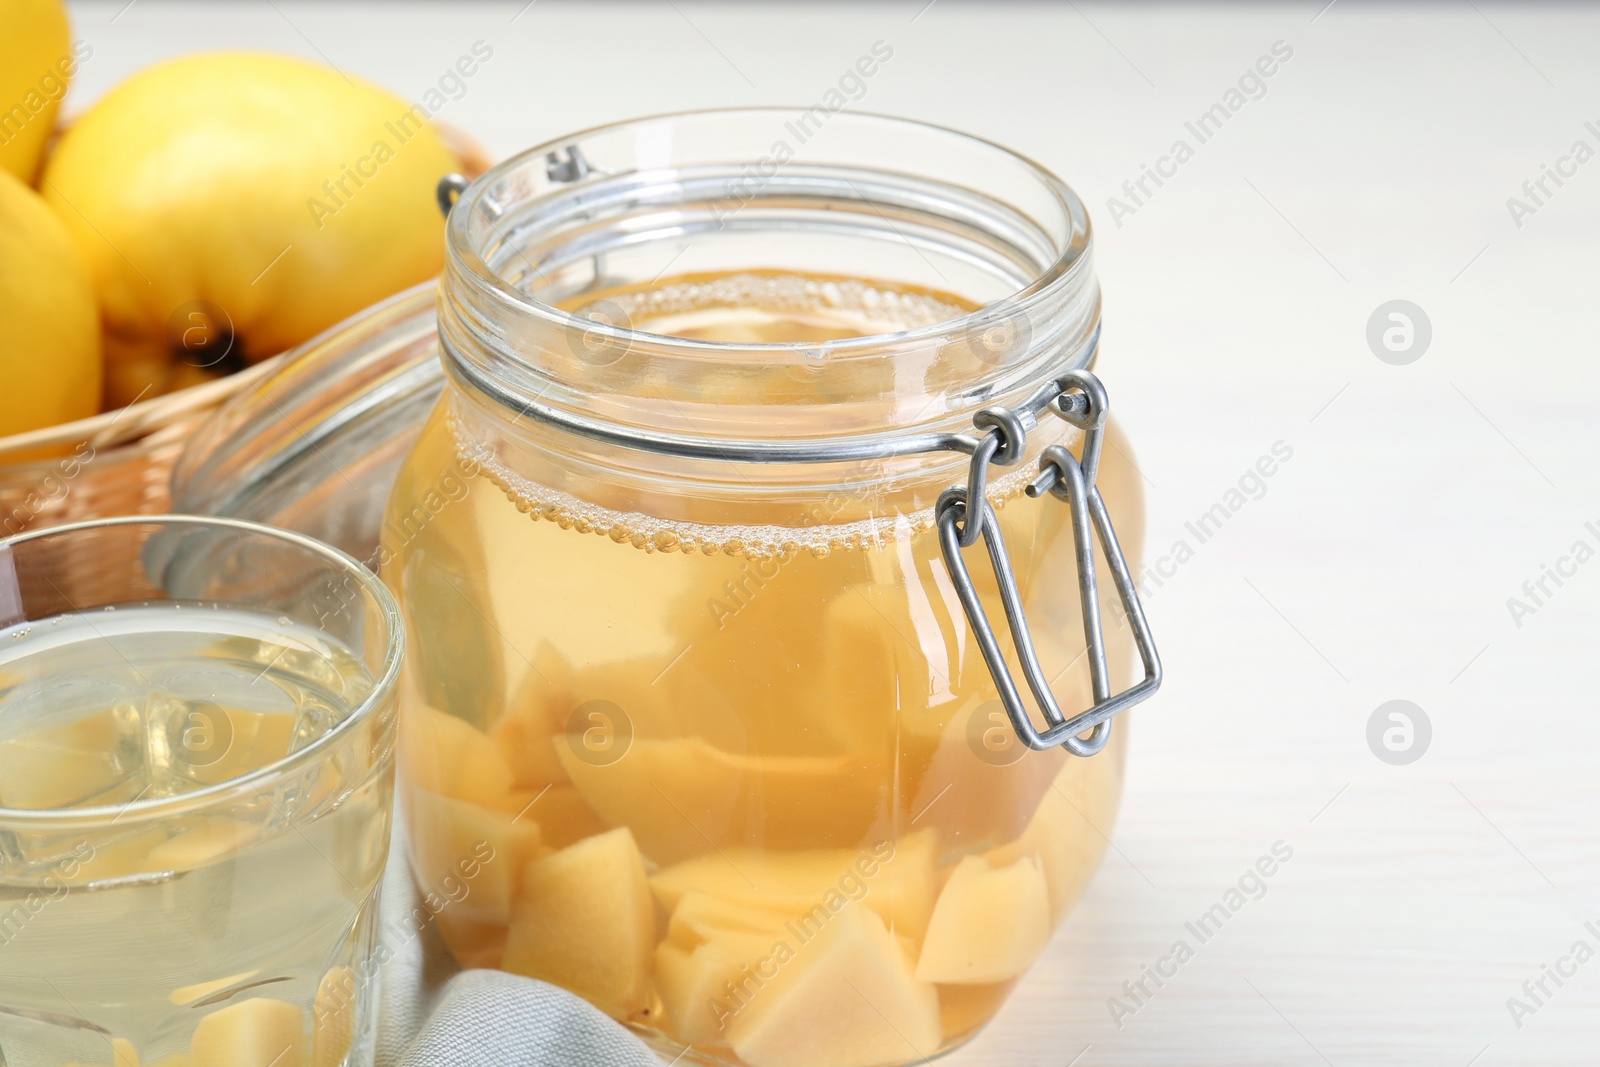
(315, 446)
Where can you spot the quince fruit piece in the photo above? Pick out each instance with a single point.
(846, 998)
(451, 757)
(676, 794)
(460, 846)
(37, 58)
(259, 1032)
(989, 924)
(49, 322)
(1070, 828)
(563, 816)
(233, 205)
(710, 944)
(894, 879)
(583, 920)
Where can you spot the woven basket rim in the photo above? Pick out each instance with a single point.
(136, 420)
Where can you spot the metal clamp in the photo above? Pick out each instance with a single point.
(449, 190)
(964, 516)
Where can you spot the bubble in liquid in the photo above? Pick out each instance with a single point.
(650, 534)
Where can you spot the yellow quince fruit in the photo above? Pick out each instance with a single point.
(233, 205)
(49, 325)
(36, 60)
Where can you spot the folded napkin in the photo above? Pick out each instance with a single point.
(433, 1014)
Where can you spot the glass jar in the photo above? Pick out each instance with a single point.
(694, 686)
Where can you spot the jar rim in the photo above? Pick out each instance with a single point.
(1060, 274)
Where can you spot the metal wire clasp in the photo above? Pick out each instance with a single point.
(964, 515)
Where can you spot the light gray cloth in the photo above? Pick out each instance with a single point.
(432, 1014)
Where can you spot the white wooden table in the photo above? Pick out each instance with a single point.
(1375, 165)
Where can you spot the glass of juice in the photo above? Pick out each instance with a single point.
(196, 767)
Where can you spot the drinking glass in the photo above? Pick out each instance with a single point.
(196, 772)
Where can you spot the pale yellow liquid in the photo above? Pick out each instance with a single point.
(234, 926)
(785, 694)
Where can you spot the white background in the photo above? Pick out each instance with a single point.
(1378, 563)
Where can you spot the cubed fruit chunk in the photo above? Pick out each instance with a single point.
(535, 720)
(1070, 828)
(904, 890)
(690, 981)
(480, 848)
(701, 917)
(989, 923)
(333, 1017)
(847, 998)
(529, 748)
(252, 739)
(862, 659)
(675, 793)
(118, 859)
(694, 983)
(894, 879)
(253, 1033)
(981, 783)
(563, 816)
(210, 839)
(875, 648)
(583, 919)
(710, 941)
(35, 774)
(445, 755)
(473, 944)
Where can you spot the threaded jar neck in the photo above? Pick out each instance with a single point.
(977, 256)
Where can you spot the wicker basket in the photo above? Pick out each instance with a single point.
(120, 462)
(117, 463)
